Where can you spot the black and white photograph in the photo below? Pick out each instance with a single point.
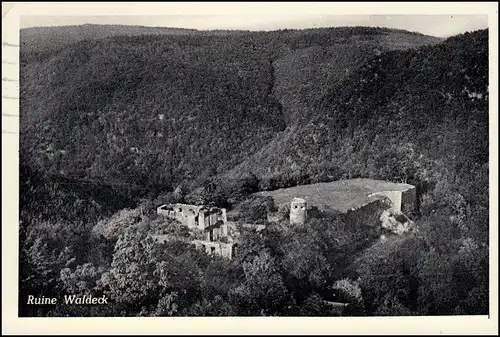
(262, 165)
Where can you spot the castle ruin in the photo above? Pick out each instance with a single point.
(194, 216)
(358, 201)
(211, 221)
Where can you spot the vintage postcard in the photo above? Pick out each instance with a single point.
(257, 168)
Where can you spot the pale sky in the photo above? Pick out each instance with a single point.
(436, 25)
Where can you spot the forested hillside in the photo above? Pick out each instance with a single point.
(399, 112)
(50, 39)
(156, 110)
(111, 125)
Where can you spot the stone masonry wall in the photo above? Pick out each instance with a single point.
(368, 214)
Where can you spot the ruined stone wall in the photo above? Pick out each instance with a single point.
(172, 215)
(193, 216)
(368, 214)
(216, 248)
(162, 210)
(227, 250)
(409, 200)
(394, 197)
(402, 201)
(185, 214)
(217, 232)
(224, 249)
(210, 217)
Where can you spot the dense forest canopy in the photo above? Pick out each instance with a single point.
(114, 119)
(162, 109)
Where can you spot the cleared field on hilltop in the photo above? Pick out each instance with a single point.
(340, 195)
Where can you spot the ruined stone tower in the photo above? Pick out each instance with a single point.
(298, 211)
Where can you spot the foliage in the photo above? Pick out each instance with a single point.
(110, 126)
(113, 227)
(152, 111)
(254, 208)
